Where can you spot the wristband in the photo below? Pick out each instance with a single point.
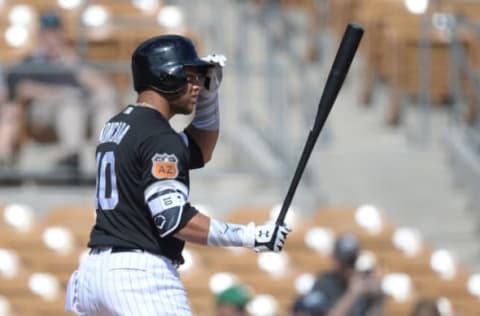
(222, 234)
(206, 114)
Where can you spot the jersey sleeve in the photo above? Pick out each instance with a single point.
(165, 157)
(165, 181)
(196, 156)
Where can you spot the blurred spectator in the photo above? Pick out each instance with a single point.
(426, 307)
(61, 92)
(232, 301)
(312, 304)
(348, 291)
(8, 125)
(295, 27)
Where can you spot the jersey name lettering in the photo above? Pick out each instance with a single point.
(113, 132)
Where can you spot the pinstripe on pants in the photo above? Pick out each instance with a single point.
(128, 283)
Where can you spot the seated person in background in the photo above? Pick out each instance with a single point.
(426, 307)
(350, 292)
(232, 301)
(9, 121)
(311, 304)
(61, 92)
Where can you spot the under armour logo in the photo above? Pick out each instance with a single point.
(261, 233)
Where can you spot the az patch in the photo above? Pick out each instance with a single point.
(165, 166)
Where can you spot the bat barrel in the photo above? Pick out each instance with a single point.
(348, 47)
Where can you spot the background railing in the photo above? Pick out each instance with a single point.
(464, 128)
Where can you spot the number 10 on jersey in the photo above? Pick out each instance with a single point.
(106, 187)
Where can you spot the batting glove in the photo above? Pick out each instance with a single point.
(270, 237)
(214, 75)
(206, 114)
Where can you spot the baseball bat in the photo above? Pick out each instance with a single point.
(338, 72)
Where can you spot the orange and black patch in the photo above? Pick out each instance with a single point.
(165, 166)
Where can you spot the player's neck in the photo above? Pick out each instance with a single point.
(154, 101)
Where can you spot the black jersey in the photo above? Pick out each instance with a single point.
(137, 149)
(332, 285)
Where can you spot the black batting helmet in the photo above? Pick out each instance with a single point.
(158, 63)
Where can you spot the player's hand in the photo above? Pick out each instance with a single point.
(270, 237)
(361, 284)
(214, 75)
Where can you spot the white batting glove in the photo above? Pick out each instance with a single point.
(270, 237)
(214, 75)
(206, 114)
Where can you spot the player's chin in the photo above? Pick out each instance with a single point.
(188, 109)
(192, 105)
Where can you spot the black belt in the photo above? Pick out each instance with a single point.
(125, 249)
(114, 249)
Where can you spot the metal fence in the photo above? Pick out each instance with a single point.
(463, 137)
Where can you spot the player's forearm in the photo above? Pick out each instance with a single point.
(344, 304)
(208, 231)
(196, 230)
(205, 139)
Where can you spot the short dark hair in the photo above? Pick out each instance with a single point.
(50, 20)
(346, 249)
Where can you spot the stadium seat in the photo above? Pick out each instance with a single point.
(197, 287)
(310, 261)
(79, 219)
(391, 28)
(395, 308)
(468, 305)
(338, 219)
(246, 215)
(281, 288)
(434, 286)
(61, 266)
(396, 261)
(372, 15)
(27, 303)
(343, 221)
(70, 215)
(6, 308)
(21, 241)
(296, 239)
(16, 286)
(20, 217)
(240, 263)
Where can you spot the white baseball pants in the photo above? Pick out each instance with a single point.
(126, 283)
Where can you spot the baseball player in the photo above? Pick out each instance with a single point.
(142, 195)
